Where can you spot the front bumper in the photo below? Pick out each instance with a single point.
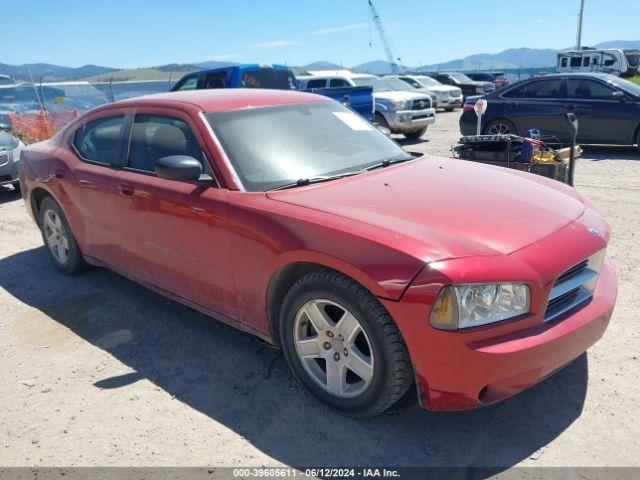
(8, 167)
(410, 120)
(450, 102)
(459, 370)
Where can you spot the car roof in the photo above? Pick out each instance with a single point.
(214, 100)
(573, 74)
(339, 73)
(248, 66)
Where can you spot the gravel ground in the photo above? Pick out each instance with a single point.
(98, 371)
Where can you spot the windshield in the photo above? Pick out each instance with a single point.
(268, 78)
(428, 81)
(396, 84)
(461, 77)
(274, 146)
(378, 84)
(633, 59)
(626, 85)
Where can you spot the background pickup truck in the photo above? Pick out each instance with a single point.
(279, 77)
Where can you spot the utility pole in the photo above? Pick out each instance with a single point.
(579, 36)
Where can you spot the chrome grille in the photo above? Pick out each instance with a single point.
(4, 157)
(574, 287)
(421, 104)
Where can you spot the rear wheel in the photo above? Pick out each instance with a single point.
(416, 134)
(449, 109)
(342, 345)
(59, 239)
(500, 127)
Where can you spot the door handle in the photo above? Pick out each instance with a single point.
(126, 190)
(573, 106)
(86, 183)
(58, 173)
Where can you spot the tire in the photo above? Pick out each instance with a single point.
(638, 140)
(348, 329)
(16, 186)
(449, 109)
(416, 134)
(380, 120)
(500, 127)
(58, 238)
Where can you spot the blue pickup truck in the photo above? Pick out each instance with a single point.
(279, 77)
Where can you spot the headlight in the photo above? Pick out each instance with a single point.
(475, 304)
(399, 104)
(16, 152)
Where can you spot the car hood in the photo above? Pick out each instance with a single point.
(443, 88)
(399, 95)
(444, 208)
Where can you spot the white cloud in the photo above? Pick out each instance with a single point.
(344, 28)
(276, 43)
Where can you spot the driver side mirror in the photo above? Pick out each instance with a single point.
(618, 95)
(182, 168)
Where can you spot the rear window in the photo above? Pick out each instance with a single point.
(268, 78)
(100, 140)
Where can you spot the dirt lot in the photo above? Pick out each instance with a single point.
(99, 371)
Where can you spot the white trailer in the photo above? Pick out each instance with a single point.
(617, 61)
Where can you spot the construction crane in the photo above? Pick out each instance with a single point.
(395, 68)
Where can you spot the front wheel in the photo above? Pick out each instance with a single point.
(449, 109)
(59, 239)
(342, 345)
(416, 134)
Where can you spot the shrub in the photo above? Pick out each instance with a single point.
(35, 127)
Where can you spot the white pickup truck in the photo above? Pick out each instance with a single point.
(396, 106)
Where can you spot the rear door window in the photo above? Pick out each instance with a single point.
(155, 136)
(216, 80)
(268, 78)
(588, 89)
(338, 82)
(537, 90)
(101, 140)
(316, 83)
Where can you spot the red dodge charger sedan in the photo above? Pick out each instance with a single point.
(286, 215)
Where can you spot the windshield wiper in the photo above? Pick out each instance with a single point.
(388, 161)
(301, 182)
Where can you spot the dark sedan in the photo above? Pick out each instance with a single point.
(607, 107)
(457, 79)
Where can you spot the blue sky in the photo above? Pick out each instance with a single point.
(139, 33)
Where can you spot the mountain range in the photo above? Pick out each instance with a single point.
(512, 58)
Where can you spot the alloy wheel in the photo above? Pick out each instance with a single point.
(499, 128)
(333, 348)
(56, 235)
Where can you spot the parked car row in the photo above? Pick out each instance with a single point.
(607, 108)
(397, 106)
(403, 104)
